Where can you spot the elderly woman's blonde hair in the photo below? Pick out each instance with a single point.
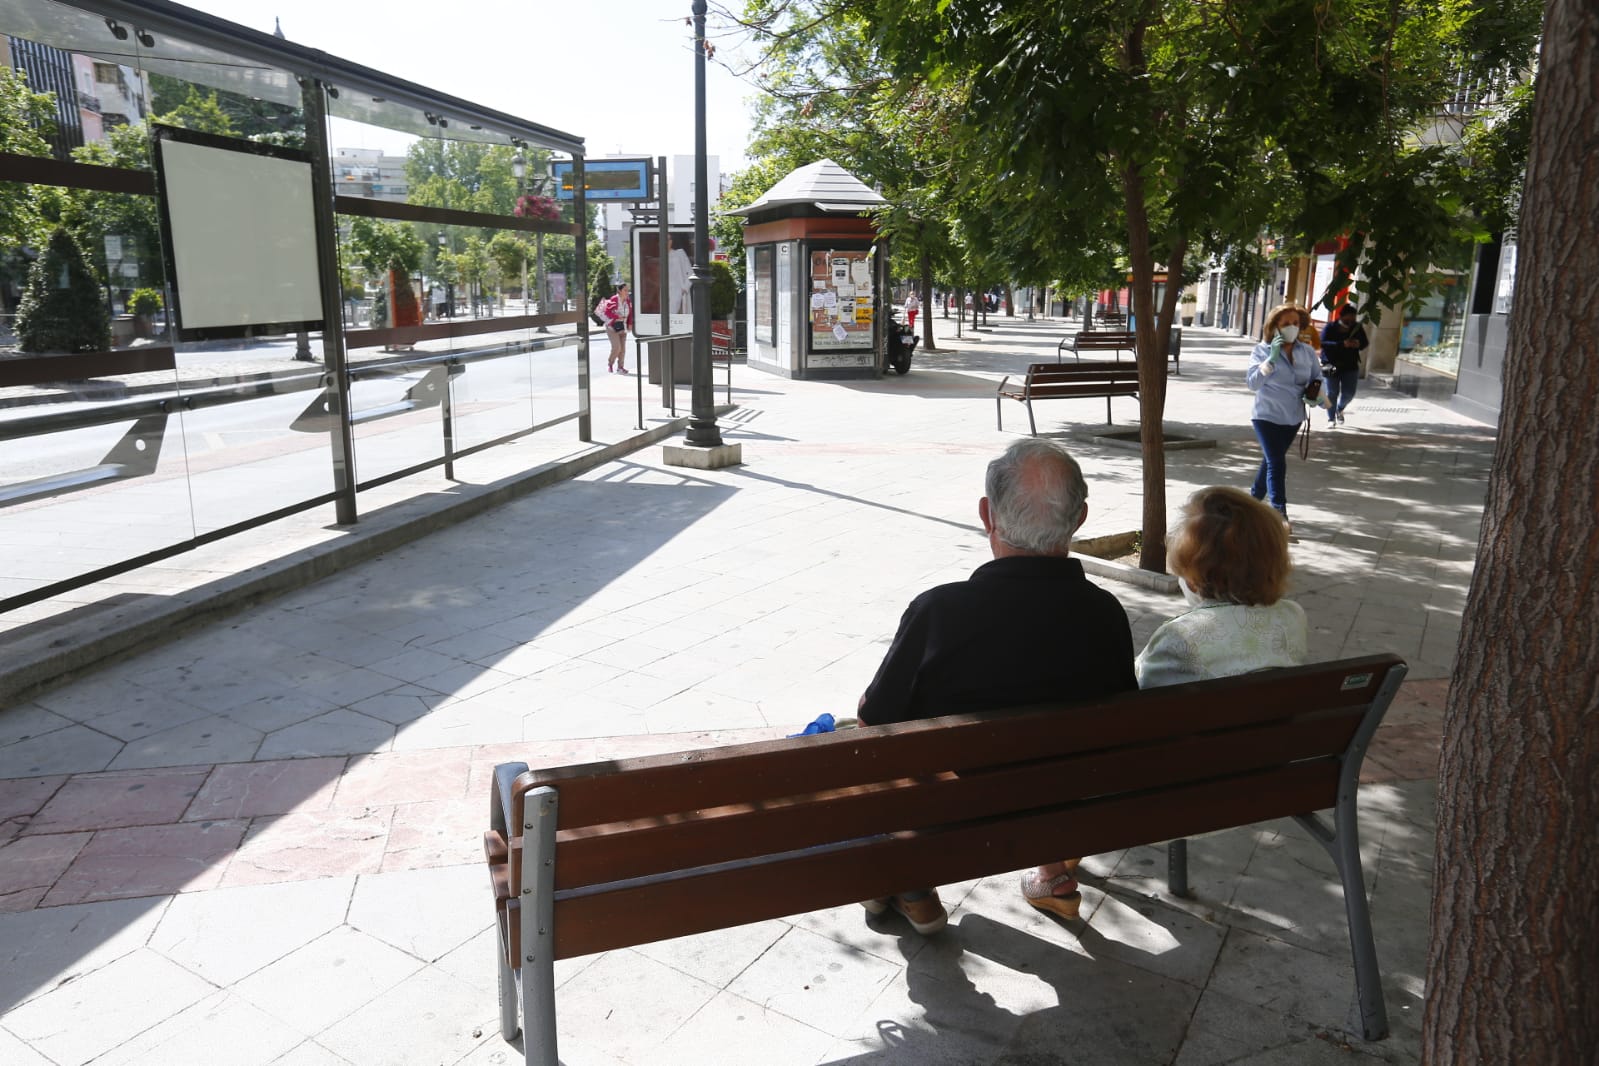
(1231, 547)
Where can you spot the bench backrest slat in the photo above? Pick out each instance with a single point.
(590, 920)
(691, 838)
(1105, 340)
(664, 785)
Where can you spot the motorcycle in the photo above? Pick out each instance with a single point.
(901, 345)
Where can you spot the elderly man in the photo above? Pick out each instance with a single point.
(1027, 627)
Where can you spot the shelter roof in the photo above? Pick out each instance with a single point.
(823, 185)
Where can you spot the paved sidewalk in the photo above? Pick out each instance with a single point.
(258, 843)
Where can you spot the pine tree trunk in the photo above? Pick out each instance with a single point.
(926, 296)
(1513, 970)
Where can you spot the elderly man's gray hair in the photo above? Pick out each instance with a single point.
(1036, 496)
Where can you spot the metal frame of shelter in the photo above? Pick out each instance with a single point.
(202, 49)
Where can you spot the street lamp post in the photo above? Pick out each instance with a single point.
(702, 429)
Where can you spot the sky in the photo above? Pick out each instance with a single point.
(617, 73)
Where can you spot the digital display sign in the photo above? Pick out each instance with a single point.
(607, 179)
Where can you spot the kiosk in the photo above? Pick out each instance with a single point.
(818, 300)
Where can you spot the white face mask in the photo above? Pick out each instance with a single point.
(1289, 333)
(1194, 599)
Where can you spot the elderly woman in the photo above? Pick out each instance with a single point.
(1280, 367)
(1230, 556)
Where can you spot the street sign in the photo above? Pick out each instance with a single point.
(113, 247)
(606, 179)
(557, 284)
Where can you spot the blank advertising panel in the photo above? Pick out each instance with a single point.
(239, 234)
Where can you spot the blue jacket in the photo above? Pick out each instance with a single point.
(1278, 395)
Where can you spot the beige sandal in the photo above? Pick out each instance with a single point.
(1042, 894)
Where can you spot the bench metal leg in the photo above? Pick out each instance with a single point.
(999, 414)
(1031, 425)
(1343, 845)
(1177, 868)
(537, 895)
(1108, 421)
(505, 776)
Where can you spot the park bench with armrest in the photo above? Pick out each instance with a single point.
(609, 855)
(1117, 341)
(1066, 381)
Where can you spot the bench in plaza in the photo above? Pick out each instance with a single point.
(1066, 381)
(1117, 341)
(608, 855)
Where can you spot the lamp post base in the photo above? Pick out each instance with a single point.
(698, 457)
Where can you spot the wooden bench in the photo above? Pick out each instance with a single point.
(1117, 341)
(1067, 381)
(608, 855)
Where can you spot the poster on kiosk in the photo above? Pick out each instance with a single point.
(650, 295)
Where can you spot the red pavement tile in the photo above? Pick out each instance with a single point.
(119, 798)
(441, 833)
(1402, 753)
(30, 865)
(1419, 703)
(154, 860)
(277, 786)
(405, 777)
(20, 800)
(311, 844)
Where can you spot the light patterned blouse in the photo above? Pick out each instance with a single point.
(1219, 639)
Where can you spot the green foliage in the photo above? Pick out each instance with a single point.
(92, 215)
(259, 120)
(510, 252)
(376, 244)
(27, 119)
(724, 290)
(602, 271)
(202, 113)
(144, 302)
(63, 308)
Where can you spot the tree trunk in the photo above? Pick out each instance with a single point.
(1513, 969)
(926, 296)
(1010, 300)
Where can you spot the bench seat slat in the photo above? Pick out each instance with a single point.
(707, 837)
(757, 891)
(591, 794)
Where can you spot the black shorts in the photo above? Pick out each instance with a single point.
(618, 325)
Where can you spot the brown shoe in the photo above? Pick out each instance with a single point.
(927, 915)
(1048, 897)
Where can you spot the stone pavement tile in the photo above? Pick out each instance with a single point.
(639, 689)
(404, 777)
(41, 949)
(209, 739)
(311, 1053)
(278, 786)
(461, 723)
(726, 1030)
(626, 1006)
(30, 865)
(1226, 1030)
(387, 907)
(29, 720)
(438, 833)
(340, 732)
(13, 1052)
(428, 1017)
(120, 798)
(719, 956)
(83, 1019)
(197, 1034)
(465, 680)
(705, 710)
(310, 844)
(1216, 861)
(1146, 934)
(401, 705)
(149, 860)
(104, 693)
(327, 980)
(226, 934)
(578, 716)
(1419, 702)
(1402, 753)
(280, 709)
(475, 963)
(813, 979)
(73, 750)
(1272, 973)
(21, 798)
(414, 664)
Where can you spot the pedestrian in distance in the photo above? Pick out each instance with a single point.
(616, 311)
(1027, 627)
(912, 305)
(1343, 349)
(1281, 370)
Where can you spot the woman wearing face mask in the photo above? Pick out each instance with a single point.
(1279, 369)
(1230, 555)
